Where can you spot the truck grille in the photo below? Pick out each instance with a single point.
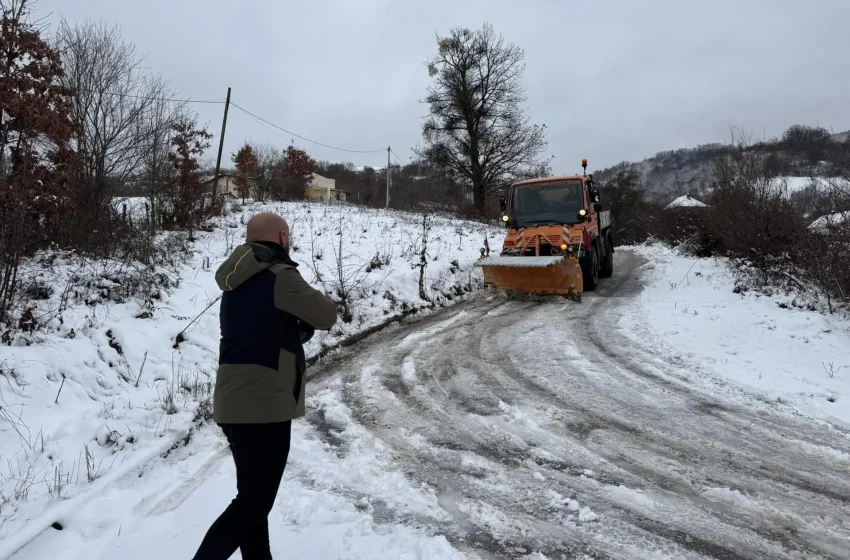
(551, 239)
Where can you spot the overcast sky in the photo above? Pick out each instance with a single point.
(613, 80)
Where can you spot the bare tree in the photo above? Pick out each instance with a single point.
(156, 173)
(477, 130)
(625, 196)
(269, 172)
(118, 102)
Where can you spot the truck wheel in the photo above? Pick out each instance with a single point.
(607, 268)
(590, 270)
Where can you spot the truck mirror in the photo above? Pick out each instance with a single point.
(597, 206)
(502, 204)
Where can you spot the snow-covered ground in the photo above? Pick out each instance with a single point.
(788, 185)
(415, 450)
(102, 385)
(794, 184)
(763, 343)
(164, 511)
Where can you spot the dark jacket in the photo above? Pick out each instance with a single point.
(267, 312)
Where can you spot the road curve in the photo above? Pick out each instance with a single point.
(562, 428)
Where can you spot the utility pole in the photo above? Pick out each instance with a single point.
(220, 148)
(388, 176)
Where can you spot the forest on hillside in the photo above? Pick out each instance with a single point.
(802, 151)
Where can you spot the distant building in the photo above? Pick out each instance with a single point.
(227, 186)
(323, 188)
(319, 188)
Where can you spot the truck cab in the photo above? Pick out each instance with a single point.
(563, 215)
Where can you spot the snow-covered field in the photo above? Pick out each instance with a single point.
(793, 184)
(102, 414)
(102, 386)
(763, 343)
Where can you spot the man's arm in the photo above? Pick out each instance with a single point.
(295, 296)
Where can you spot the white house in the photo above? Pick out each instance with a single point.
(323, 188)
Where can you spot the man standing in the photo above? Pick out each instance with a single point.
(267, 312)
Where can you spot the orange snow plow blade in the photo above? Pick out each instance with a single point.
(534, 275)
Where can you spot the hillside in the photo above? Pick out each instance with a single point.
(673, 173)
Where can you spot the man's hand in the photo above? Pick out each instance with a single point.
(305, 331)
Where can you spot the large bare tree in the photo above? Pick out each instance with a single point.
(119, 102)
(477, 130)
(269, 172)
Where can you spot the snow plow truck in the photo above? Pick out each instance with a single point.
(559, 240)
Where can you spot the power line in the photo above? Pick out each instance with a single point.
(398, 159)
(302, 137)
(153, 98)
(219, 102)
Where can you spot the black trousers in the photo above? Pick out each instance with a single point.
(260, 452)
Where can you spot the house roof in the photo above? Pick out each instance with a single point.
(686, 201)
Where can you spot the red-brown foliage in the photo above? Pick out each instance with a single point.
(36, 156)
(298, 168)
(246, 166)
(186, 195)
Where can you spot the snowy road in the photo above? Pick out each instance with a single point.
(513, 429)
(557, 428)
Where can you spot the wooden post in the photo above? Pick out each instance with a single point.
(220, 148)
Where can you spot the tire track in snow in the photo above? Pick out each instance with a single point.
(187, 486)
(517, 411)
(748, 441)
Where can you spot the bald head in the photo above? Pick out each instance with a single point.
(268, 226)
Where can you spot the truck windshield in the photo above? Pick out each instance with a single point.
(547, 203)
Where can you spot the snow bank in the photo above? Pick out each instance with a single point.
(103, 382)
(164, 513)
(763, 343)
(831, 221)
